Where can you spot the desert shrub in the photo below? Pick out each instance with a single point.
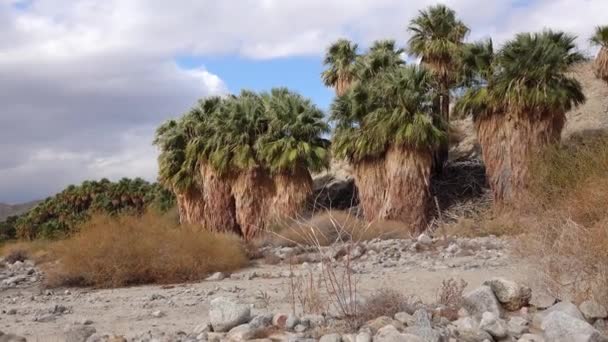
(568, 237)
(387, 302)
(125, 250)
(16, 255)
(331, 226)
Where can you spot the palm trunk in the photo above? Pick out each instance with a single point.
(253, 191)
(220, 210)
(190, 207)
(370, 179)
(408, 173)
(601, 64)
(293, 190)
(442, 153)
(509, 143)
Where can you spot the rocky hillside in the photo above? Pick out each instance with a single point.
(7, 210)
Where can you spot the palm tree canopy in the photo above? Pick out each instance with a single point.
(437, 35)
(600, 37)
(340, 62)
(382, 55)
(294, 138)
(528, 76)
(393, 108)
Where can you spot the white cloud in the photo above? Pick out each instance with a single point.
(84, 82)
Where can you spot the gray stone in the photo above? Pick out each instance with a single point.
(217, 276)
(241, 332)
(225, 314)
(312, 320)
(568, 308)
(531, 338)
(424, 239)
(493, 325)
(510, 294)
(331, 338)
(202, 328)
(261, 321)
(423, 328)
(79, 333)
(390, 334)
(592, 310)
(363, 337)
(474, 335)
(481, 300)
(517, 326)
(542, 300)
(561, 327)
(292, 321)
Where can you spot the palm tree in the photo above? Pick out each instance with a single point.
(292, 148)
(518, 100)
(385, 129)
(600, 38)
(340, 61)
(437, 37)
(382, 55)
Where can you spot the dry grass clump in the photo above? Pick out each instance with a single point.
(36, 251)
(121, 251)
(337, 226)
(503, 224)
(387, 302)
(569, 235)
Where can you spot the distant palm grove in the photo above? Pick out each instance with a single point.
(242, 162)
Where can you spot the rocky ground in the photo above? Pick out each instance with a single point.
(255, 302)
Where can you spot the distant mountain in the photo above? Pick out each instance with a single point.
(7, 210)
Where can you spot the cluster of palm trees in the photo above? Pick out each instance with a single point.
(238, 163)
(61, 214)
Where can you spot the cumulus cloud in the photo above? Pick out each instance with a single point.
(83, 83)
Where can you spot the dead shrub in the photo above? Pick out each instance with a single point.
(337, 226)
(449, 296)
(127, 250)
(16, 255)
(568, 235)
(387, 302)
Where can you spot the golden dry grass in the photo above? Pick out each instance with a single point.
(569, 233)
(328, 227)
(122, 251)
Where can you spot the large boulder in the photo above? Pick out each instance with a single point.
(510, 294)
(79, 333)
(481, 300)
(561, 327)
(493, 325)
(565, 307)
(225, 314)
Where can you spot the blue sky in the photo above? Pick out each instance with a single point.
(86, 82)
(301, 74)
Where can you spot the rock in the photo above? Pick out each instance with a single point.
(562, 327)
(376, 324)
(424, 239)
(475, 335)
(202, 328)
(466, 323)
(517, 326)
(292, 321)
(422, 327)
(225, 314)
(79, 333)
(510, 294)
(542, 300)
(531, 338)
(566, 307)
(300, 328)
(481, 300)
(261, 321)
(279, 320)
(241, 332)
(363, 337)
(493, 325)
(217, 276)
(158, 314)
(592, 310)
(404, 318)
(390, 334)
(331, 338)
(312, 320)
